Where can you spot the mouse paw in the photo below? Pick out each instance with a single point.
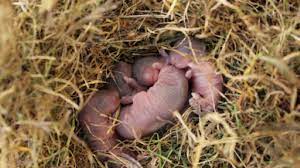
(195, 102)
(188, 74)
(200, 104)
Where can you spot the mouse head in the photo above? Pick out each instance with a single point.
(104, 101)
(149, 76)
(184, 51)
(144, 71)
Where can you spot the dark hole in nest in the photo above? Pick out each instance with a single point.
(262, 143)
(260, 149)
(209, 152)
(298, 97)
(193, 118)
(215, 132)
(297, 118)
(267, 158)
(24, 68)
(219, 135)
(285, 106)
(297, 27)
(207, 123)
(78, 130)
(262, 93)
(258, 5)
(240, 152)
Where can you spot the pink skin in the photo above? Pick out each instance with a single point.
(152, 109)
(144, 72)
(206, 83)
(95, 120)
(206, 86)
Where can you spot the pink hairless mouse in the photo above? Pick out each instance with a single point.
(143, 72)
(96, 119)
(153, 109)
(206, 86)
(206, 83)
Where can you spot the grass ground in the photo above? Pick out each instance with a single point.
(54, 54)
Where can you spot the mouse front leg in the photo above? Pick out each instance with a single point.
(134, 84)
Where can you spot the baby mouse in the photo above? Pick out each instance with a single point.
(206, 83)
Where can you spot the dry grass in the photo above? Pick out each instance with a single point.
(54, 54)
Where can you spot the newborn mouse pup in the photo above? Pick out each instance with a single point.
(97, 123)
(95, 120)
(207, 86)
(206, 83)
(152, 109)
(145, 72)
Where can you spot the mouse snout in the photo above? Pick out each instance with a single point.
(150, 76)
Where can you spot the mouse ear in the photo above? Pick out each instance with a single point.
(163, 52)
(165, 55)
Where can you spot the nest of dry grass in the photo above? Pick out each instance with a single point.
(54, 54)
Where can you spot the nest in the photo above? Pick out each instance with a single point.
(54, 54)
